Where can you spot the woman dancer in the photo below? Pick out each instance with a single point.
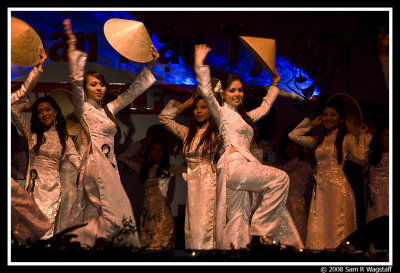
(200, 144)
(378, 170)
(240, 176)
(102, 200)
(48, 142)
(27, 220)
(155, 173)
(332, 215)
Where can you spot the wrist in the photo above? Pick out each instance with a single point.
(181, 106)
(198, 63)
(149, 65)
(72, 41)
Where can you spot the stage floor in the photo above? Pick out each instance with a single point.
(274, 254)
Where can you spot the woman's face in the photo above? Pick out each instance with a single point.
(234, 94)
(200, 112)
(331, 119)
(156, 152)
(46, 113)
(95, 89)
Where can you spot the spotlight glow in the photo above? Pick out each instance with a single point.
(170, 73)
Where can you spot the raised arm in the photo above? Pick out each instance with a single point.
(77, 62)
(170, 111)
(142, 82)
(298, 134)
(32, 78)
(268, 100)
(204, 82)
(19, 121)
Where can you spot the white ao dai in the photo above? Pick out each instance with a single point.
(251, 197)
(47, 161)
(200, 230)
(332, 215)
(102, 201)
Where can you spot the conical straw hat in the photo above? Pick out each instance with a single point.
(129, 38)
(74, 128)
(25, 43)
(63, 98)
(353, 114)
(262, 49)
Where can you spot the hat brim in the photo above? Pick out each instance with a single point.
(74, 128)
(63, 98)
(353, 113)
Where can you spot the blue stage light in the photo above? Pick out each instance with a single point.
(170, 73)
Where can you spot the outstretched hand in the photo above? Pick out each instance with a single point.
(42, 54)
(70, 35)
(67, 26)
(43, 57)
(275, 78)
(200, 54)
(155, 55)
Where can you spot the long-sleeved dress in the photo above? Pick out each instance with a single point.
(156, 221)
(47, 161)
(201, 178)
(101, 200)
(27, 86)
(244, 185)
(379, 187)
(332, 215)
(27, 220)
(68, 176)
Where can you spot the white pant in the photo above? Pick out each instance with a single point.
(244, 180)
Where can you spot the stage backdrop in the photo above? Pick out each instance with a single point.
(175, 45)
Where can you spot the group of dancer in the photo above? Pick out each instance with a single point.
(233, 199)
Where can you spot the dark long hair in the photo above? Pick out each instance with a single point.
(226, 81)
(164, 164)
(102, 79)
(342, 131)
(207, 137)
(375, 146)
(39, 128)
